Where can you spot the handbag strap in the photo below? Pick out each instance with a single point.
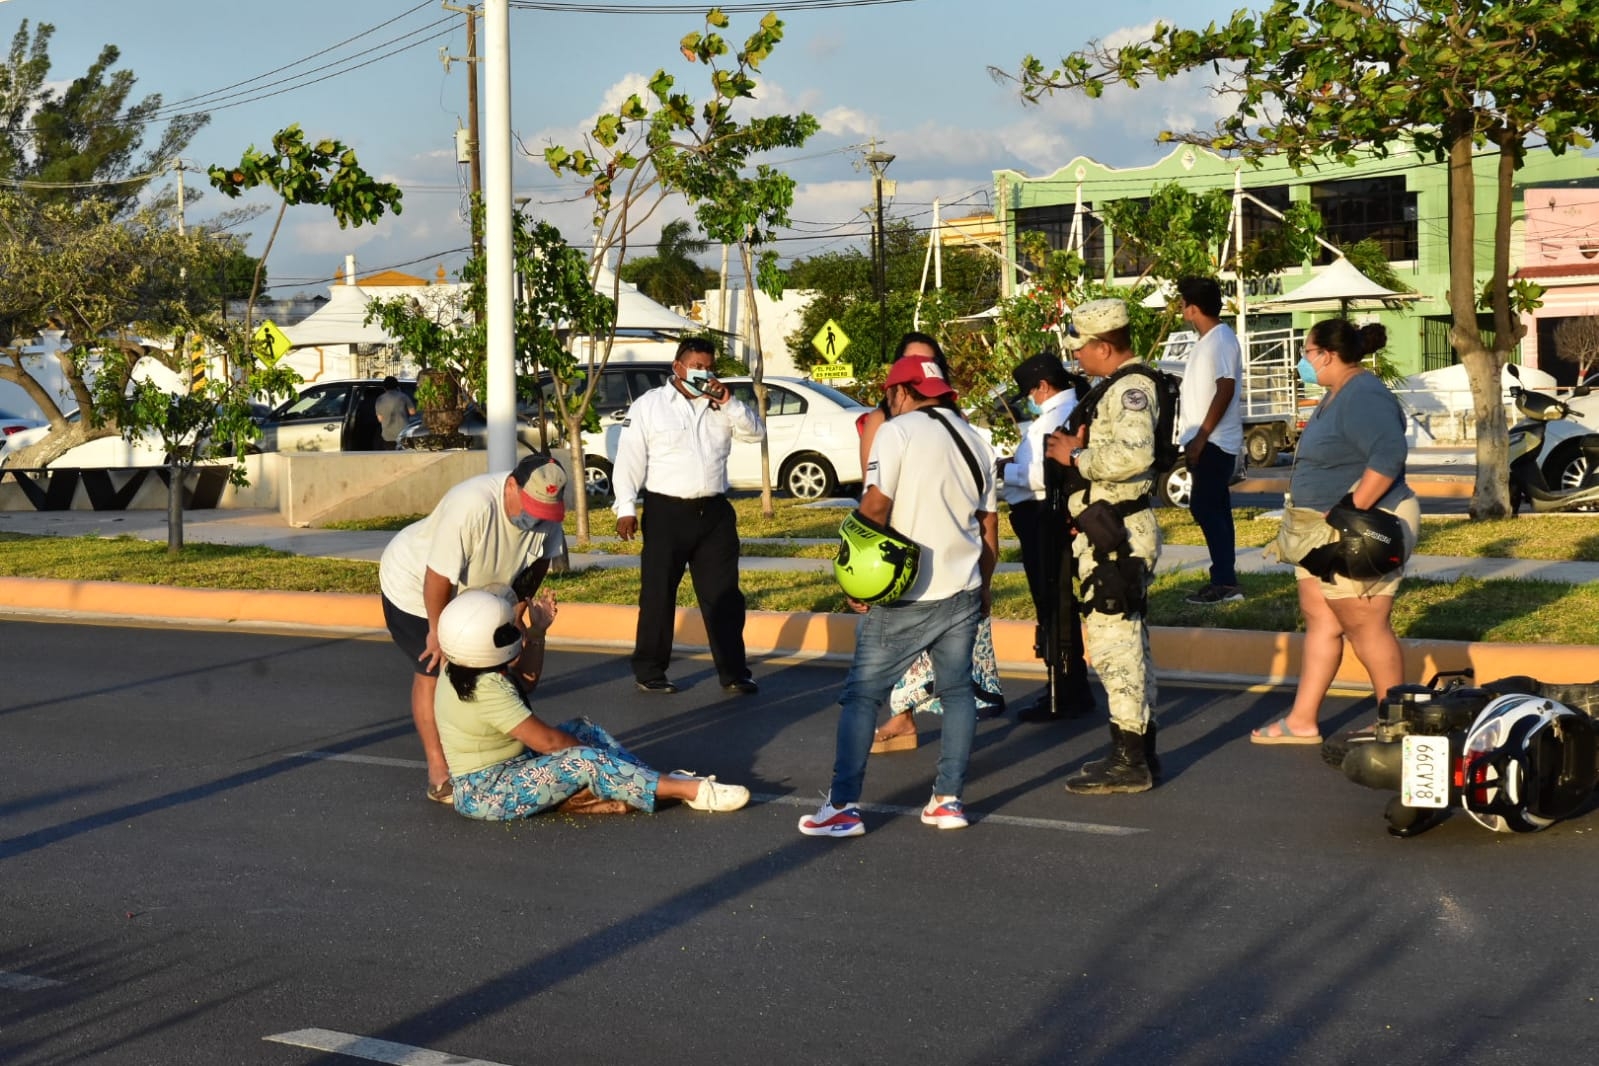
(966, 451)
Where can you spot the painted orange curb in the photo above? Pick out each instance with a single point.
(1236, 655)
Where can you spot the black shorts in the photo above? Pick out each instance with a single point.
(410, 633)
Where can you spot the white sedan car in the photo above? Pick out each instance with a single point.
(810, 431)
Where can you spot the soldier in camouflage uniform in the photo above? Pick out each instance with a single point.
(1111, 449)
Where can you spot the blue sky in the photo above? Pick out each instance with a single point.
(912, 74)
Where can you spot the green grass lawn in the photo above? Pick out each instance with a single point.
(1509, 611)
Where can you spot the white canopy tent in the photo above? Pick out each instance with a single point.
(1335, 288)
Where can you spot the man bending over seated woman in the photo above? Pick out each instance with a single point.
(504, 762)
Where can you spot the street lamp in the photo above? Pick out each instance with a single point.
(879, 162)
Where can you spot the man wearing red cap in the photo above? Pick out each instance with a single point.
(490, 529)
(930, 477)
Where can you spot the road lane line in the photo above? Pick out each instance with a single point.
(365, 1047)
(1093, 828)
(22, 982)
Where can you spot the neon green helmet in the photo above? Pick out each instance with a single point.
(874, 564)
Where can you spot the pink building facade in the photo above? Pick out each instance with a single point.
(1561, 253)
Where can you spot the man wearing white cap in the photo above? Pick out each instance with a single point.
(490, 529)
(1110, 445)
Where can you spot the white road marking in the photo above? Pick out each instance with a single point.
(21, 982)
(365, 1047)
(1094, 828)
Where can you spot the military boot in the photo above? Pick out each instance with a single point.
(1151, 759)
(1126, 770)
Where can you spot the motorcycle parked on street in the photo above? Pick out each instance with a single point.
(1516, 754)
(1577, 458)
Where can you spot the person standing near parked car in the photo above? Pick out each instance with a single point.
(673, 455)
(490, 529)
(394, 411)
(1210, 428)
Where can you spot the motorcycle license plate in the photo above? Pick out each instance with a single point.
(1424, 772)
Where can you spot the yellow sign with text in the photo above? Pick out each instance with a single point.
(833, 372)
(830, 342)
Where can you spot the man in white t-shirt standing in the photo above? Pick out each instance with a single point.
(490, 529)
(1211, 431)
(930, 477)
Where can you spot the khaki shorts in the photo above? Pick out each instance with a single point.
(1347, 588)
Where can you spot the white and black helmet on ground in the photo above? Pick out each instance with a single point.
(478, 628)
(1528, 762)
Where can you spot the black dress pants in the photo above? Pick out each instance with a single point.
(701, 534)
(1027, 520)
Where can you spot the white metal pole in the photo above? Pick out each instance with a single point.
(938, 246)
(500, 401)
(1238, 260)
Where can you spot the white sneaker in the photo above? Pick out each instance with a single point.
(715, 796)
(833, 821)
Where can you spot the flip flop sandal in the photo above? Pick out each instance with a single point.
(1277, 733)
(443, 793)
(883, 745)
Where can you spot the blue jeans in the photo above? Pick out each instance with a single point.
(1211, 503)
(888, 639)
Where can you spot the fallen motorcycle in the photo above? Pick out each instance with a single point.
(1516, 754)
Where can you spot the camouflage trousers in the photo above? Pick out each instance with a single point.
(1119, 646)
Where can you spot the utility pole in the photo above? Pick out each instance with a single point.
(177, 164)
(878, 162)
(473, 138)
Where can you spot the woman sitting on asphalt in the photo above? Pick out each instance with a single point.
(504, 762)
(1356, 437)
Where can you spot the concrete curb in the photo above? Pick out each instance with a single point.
(1214, 655)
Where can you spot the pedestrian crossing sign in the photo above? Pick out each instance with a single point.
(271, 343)
(830, 341)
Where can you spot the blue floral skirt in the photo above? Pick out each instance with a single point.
(915, 690)
(530, 783)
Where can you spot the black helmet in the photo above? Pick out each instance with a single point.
(1370, 543)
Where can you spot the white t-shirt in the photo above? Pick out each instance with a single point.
(1024, 475)
(1217, 355)
(469, 539)
(916, 464)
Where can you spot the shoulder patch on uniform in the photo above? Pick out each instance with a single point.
(1135, 400)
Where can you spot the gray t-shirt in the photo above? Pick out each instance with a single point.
(1361, 428)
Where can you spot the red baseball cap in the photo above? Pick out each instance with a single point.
(542, 483)
(921, 374)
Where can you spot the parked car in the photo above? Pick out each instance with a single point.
(475, 428)
(11, 424)
(330, 416)
(810, 429)
(619, 385)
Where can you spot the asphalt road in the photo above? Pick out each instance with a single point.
(214, 849)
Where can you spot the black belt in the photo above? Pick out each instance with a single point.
(682, 499)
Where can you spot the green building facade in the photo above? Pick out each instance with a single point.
(1401, 201)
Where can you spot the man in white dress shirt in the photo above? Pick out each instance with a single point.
(673, 456)
(1048, 394)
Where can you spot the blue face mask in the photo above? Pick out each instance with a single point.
(525, 522)
(696, 379)
(1030, 407)
(1307, 373)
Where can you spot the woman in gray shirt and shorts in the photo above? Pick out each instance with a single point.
(1354, 445)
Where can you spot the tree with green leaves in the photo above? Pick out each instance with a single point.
(642, 153)
(325, 173)
(82, 142)
(1324, 79)
(841, 284)
(671, 276)
(105, 283)
(450, 338)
